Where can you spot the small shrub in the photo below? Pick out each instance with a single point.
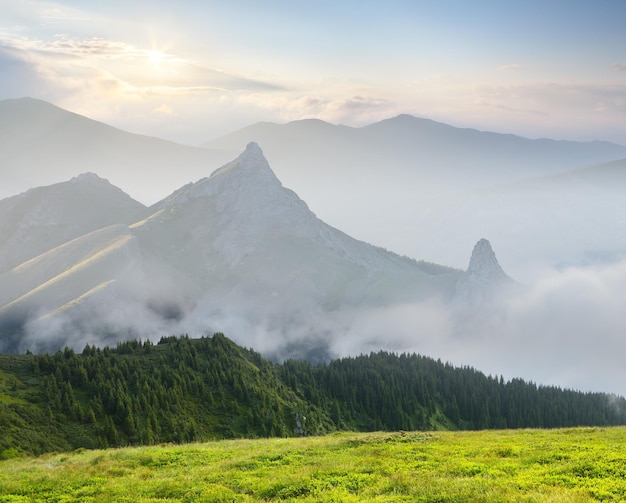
(10, 453)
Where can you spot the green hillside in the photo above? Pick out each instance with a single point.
(184, 390)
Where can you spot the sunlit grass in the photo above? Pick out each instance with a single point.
(583, 464)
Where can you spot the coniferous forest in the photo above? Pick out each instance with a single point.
(182, 390)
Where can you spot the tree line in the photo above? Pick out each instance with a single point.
(184, 390)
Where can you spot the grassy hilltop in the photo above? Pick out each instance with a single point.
(562, 465)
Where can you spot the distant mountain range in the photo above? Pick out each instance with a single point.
(421, 152)
(416, 186)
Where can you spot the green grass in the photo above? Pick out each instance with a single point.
(581, 464)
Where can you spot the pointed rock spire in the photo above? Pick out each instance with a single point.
(483, 276)
(484, 265)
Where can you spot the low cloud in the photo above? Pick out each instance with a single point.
(568, 329)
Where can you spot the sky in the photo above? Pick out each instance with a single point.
(192, 71)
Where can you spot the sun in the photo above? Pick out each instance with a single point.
(155, 57)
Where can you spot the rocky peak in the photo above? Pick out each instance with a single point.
(484, 264)
(89, 178)
(484, 275)
(237, 209)
(250, 163)
(248, 174)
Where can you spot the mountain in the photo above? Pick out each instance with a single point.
(243, 219)
(233, 248)
(46, 144)
(413, 185)
(45, 217)
(404, 182)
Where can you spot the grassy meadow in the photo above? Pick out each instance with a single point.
(578, 464)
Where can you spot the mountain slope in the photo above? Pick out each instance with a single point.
(54, 291)
(45, 217)
(396, 182)
(46, 144)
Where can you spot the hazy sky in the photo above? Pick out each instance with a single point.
(190, 71)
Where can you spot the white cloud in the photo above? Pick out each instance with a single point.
(133, 65)
(355, 110)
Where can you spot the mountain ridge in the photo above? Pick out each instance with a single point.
(235, 244)
(305, 126)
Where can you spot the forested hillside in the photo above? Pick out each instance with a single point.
(183, 390)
